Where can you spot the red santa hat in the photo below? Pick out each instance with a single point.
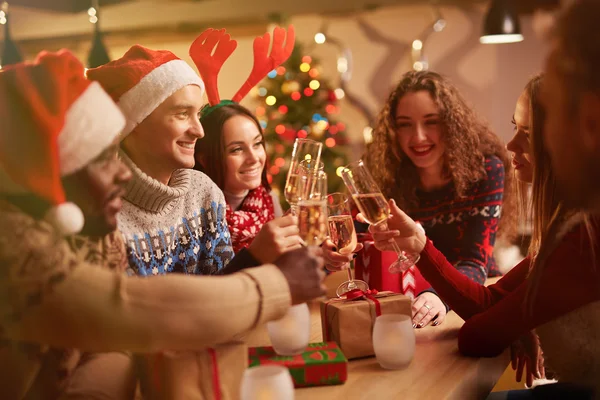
(142, 80)
(54, 122)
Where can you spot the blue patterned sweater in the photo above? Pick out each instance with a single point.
(176, 228)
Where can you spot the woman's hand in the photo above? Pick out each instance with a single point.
(409, 235)
(426, 308)
(526, 354)
(334, 261)
(275, 238)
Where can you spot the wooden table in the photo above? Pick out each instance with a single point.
(438, 371)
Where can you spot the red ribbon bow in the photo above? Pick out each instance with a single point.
(353, 295)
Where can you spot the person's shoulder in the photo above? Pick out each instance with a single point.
(204, 189)
(493, 166)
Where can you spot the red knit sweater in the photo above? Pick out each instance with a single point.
(496, 315)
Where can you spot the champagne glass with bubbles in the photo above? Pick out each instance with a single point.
(343, 236)
(374, 208)
(306, 159)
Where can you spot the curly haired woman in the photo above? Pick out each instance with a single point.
(444, 165)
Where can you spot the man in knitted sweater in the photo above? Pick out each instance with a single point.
(61, 292)
(173, 219)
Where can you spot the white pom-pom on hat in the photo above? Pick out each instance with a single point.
(66, 218)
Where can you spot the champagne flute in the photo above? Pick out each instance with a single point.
(374, 208)
(343, 236)
(312, 208)
(307, 152)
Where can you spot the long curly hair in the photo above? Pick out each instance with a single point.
(467, 139)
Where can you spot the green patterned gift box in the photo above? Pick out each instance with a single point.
(320, 364)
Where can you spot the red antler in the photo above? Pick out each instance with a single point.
(208, 64)
(263, 63)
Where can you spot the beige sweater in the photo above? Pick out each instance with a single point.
(51, 295)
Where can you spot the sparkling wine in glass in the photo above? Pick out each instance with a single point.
(374, 208)
(306, 159)
(343, 236)
(312, 221)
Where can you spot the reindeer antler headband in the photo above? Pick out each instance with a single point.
(209, 64)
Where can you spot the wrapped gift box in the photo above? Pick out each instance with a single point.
(320, 364)
(214, 373)
(372, 266)
(349, 323)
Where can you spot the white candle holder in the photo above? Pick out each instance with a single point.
(267, 382)
(291, 334)
(394, 341)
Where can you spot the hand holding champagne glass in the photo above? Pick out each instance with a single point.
(343, 236)
(374, 208)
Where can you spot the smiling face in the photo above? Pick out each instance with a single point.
(419, 130)
(519, 145)
(97, 190)
(244, 153)
(166, 139)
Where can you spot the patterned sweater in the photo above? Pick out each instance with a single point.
(464, 230)
(176, 228)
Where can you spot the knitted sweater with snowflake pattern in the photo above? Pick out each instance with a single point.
(464, 229)
(176, 228)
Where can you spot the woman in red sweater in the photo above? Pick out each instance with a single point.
(539, 293)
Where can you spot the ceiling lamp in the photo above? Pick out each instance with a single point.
(501, 24)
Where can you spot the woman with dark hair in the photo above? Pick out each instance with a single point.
(443, 164)
(232, 152)
(233, 155)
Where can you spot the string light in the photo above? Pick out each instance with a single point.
(302, 134)
(320, 38)
(308, 92)
(341, 126)
(93, 15)
(330, 142)
(339, 93)
(262, 91)
(417, 44)
(333, 129)
(339, 171)
(342, 65)
(313, 73)
(280, 70)
(260, 111)
(307, 59)
(272, 74)
(304, 67)
(280, 162)
(368, 134)
(331, 109)
(296, 96)
(283, 109)
(274, 170)
(3, 14)
(314, 84)
(271, 100)
(280, 129)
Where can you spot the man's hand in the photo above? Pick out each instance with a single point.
(303, 269)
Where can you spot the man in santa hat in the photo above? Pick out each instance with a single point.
(173, 217)
(59, 175)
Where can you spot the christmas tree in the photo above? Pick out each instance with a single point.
(296, 102)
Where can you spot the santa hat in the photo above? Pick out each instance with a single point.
(54, 122)
(142, 80)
